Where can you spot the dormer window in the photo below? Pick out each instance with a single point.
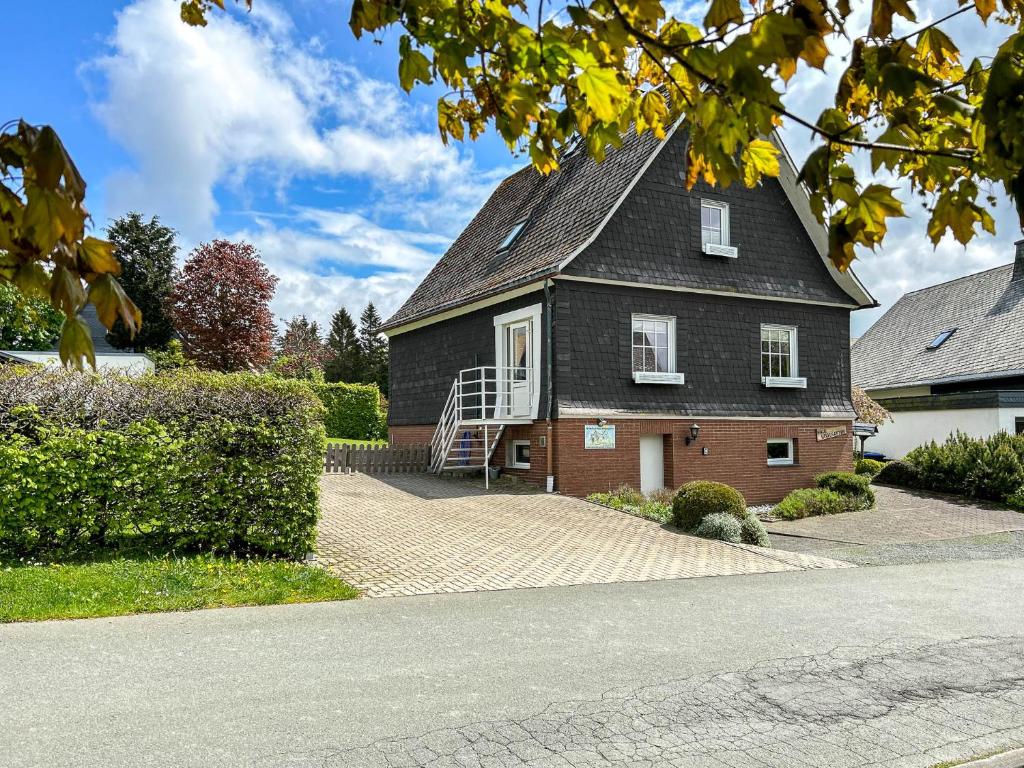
(714, 229)
(941, 339)
(512, 236)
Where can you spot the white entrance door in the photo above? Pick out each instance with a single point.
(516, 357)
(652, 463)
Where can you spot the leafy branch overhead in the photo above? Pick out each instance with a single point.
(44, 250)
(542, 72)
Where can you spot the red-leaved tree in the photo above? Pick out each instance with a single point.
(220, 305)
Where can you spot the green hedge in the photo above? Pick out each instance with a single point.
(870, 467)
(989, 468)
(699, 498)
(857, 487)
(353, 411)
(187, 462)
(808, 502)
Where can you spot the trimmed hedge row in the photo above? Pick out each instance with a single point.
(836, 492)
(191, 461)
(353, 411)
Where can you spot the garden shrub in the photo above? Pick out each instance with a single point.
(629, 499)
(722, 526)
(697, 499)
(353, 411)
(870, 467)
(856, 487)
(752, 531)
(899, 473)
(192, 461)
(808, 502)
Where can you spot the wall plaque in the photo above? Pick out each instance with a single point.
(828, 434)
(596, 437)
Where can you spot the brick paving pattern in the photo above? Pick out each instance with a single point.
(417, 534)
(897, 705)
(903, 517)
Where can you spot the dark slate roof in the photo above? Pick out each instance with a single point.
(987, 310)
(563, 210)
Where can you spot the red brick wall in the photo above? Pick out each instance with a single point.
(416, 434)
(736, 455)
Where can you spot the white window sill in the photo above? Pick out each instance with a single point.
(781, 463)
(784, 382)
(714, 249)
(517, 466)
(648, 377)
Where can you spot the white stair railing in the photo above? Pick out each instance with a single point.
(488, 396)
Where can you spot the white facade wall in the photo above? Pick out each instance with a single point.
(910, 429)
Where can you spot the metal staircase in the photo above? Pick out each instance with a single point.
(482, 401)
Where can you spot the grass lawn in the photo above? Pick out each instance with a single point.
(356, 442)
(146, 585)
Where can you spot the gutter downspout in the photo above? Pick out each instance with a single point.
(550, 487)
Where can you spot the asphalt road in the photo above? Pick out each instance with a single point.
(898, 666)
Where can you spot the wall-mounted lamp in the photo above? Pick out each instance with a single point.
(602, 422)
(694, 432)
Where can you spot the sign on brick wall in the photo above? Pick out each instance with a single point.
(596, 437)
(831, 432)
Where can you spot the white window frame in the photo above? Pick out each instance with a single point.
(513, 234)
(794, 380)
(725, 247)
(787, 462)
(671, 376)
(510, 458)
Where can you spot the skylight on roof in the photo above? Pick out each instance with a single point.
(941, 339)
(512, 236)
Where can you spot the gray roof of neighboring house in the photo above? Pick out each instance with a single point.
(98, 332)
(562, 211)
(987, 311)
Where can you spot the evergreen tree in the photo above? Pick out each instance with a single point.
(300, 350)
(373, 346)
(146, 252)
(343, 348)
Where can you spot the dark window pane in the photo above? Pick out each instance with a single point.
(778, 450)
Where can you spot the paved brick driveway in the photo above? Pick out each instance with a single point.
(904, 517)
(417, 534)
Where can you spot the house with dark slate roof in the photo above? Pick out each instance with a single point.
(108, 357)
(948, 358)
(603, 325)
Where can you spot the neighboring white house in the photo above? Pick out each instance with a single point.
(948, 358)
(108, 358)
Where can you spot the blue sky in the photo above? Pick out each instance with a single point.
(280, 128)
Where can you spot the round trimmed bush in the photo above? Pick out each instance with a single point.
(721, 526)
(752, 531)
(807, 502)
(697, 499)
(857, 487)
(870, 467)
(901, 473)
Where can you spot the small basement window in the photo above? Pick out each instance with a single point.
(941, 339)
(780, 452)
(519, 454)
(512, 236)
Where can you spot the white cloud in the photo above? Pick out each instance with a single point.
(246, 107)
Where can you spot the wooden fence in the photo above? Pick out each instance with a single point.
(376, 459)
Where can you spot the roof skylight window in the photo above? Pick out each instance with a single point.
(512, 236)
(941, 339)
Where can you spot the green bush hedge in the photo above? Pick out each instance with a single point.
(899, 473)
(697, 499)
(807, 502)
(870, 467)
(191, 461)
(857, 487)
(353, 411)
(988, 468)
